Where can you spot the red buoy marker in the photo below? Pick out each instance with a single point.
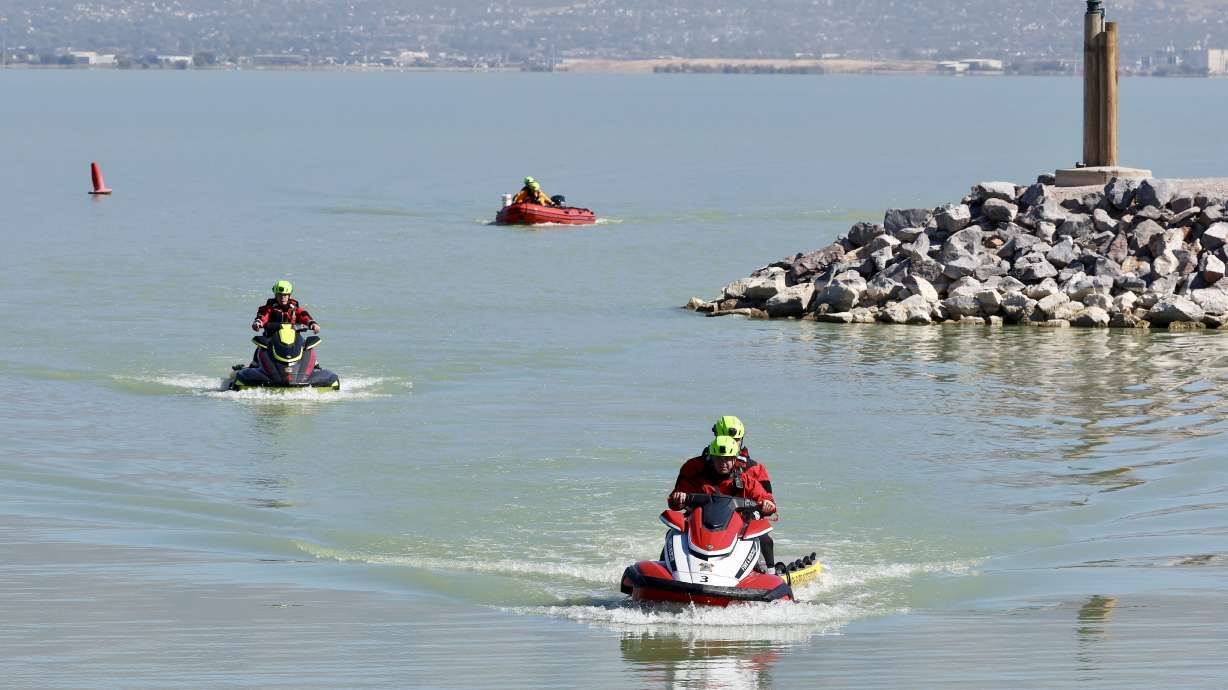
(100, 187)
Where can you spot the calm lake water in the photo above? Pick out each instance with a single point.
(995, 508)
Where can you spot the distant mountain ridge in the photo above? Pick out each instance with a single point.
(527, 30)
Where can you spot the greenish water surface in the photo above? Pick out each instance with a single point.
(995, 508)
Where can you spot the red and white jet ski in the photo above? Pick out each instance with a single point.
(710, 557)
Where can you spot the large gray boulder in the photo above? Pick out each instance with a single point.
(1120, 192)
(862, 233)
(842, 294)
(1049, 306)
(882, 242)
(735, 290)
(1063, 253)
(1017, 307)
(914, 310)
(1182, 202)
(962, 243)
(813, 263)
(1167, 241)
(1009, 284)
(918, 249)
(1019, 245)
(1174, 309)
(908, 234)
(1076, 225)
(881, 288)
(898, 218)
(1119, 248)
(1033, 268)
(1165, 264)
(999, 211)
(1212, 300)
(953, 217)
(962, 305)
(1033, 195)
(1215, 236)
(1091, 317)
(990, 301)
(1142, 232)
(960, 266)
(1047, 211)
(1004, 191)
(791, 301)
(1210, 216)
(1103, 222)
(1043, 289)
(881, 257)
(916, 285)
(761, 288)
(928, 269)
(1131, 282)
(1211, 268)
(1153, 192)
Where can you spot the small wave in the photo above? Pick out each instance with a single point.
(782, 621)
(849, 576)
(606, 575)
(187, 382)
(352, 388)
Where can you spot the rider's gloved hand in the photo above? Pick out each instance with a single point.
(678, 498)
(767, 506)
(255, 325)
(315, 328)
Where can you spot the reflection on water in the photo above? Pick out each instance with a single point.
(1075, 395)
(1093, 617)
(677, 662)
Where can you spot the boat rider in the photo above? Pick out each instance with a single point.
(734, 428)
(532, 193)
(283, 308)
(719, 471)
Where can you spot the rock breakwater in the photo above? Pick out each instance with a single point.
(1131, 254)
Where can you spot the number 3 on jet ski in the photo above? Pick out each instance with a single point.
(284, 359)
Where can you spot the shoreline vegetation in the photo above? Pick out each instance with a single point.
(1130, 254)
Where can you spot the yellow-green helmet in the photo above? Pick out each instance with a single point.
(723, 447)
(282, 287)
(729, 426)
(532, 183)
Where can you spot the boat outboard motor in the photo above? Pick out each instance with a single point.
(559, 200)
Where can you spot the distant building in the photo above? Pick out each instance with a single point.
(1208, 61)
(983, 65)
(952, 67)
(181, 61)
(278, 60)
(411, 57)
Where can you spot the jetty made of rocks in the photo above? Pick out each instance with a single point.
(1131, 254)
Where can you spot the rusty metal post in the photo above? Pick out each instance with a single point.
(1093, 26)
(1108, 95)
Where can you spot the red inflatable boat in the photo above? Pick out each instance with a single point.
(535, 214)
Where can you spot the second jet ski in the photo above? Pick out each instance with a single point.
(284, 359)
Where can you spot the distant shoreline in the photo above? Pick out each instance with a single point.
(585, 65)
(733, 66)
(750, 66)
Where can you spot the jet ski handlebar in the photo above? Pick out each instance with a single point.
(298, 327)
(697, 500)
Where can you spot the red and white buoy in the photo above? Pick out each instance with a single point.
(100, 187)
